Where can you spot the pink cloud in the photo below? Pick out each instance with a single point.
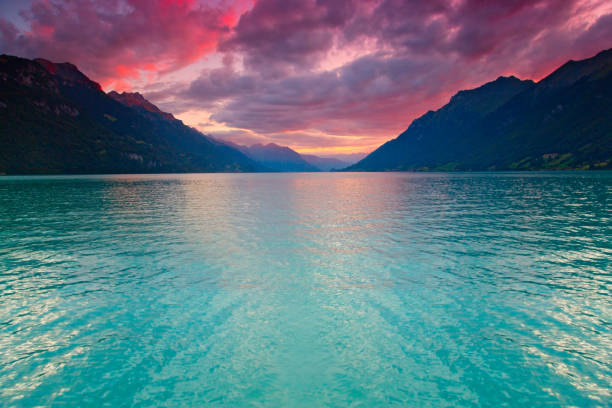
(427, 52)
(408, 56)
(276, 36)
(116, 40)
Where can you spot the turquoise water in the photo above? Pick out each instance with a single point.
(306, 290)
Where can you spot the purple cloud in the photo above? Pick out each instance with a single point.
(302, 72)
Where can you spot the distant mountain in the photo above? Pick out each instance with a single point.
(53, 119)
(277, 158)
(562, 122)
(324, 163)
(350, 158)
(284, 159)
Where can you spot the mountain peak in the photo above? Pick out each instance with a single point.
(500, 84)
(506, 78)
(561, 122)
(488, 96)
(55, 120)
(68, 73)
(573, 71)
(133, 99)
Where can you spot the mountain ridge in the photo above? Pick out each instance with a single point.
(325, 163)
(561, 122)
(135, 99)
(279, 158)
(53, 119)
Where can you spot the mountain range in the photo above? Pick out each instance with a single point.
(564, 121)
(283, 158)
(54, 120)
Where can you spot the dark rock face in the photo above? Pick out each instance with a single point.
(562, 122)
(68, 73)
(53, 119)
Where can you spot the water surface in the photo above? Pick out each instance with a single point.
(306, 290)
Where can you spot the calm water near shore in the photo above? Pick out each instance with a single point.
(306, 290)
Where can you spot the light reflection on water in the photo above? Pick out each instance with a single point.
(306, 290)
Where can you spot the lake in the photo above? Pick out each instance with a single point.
(307, 290)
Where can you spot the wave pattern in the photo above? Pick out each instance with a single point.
(306, 290)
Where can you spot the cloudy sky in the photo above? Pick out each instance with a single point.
(326, 77)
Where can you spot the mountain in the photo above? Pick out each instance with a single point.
(53, 119)
(277, 158)
(138, 102)
(563, 121)
(283, 158)
(324, 163)
(350, 158)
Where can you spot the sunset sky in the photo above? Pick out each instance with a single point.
(323, 77)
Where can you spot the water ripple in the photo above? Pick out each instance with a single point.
(306, 290)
